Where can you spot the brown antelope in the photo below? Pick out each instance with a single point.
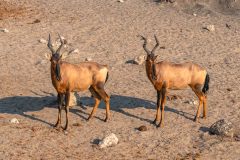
(167, 75)
(67, 78)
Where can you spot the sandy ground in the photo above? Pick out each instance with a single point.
(106, 31)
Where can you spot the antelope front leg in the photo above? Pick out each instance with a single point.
(199, 108)
(67, 100)
(205, 107)
(163, 101)
(158, 107)
(60, 104)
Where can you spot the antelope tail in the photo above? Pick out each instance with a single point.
(206, 84)
(107, 77)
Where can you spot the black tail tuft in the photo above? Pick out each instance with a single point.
(107, 77)
(206, 84)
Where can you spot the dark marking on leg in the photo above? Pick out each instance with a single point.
(157, 118)
(67, 100)
(60, 105)
(163, 101)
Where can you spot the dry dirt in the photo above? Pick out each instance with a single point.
(106, 31)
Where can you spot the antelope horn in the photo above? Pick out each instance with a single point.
(144, 44)
(157, 44)
(62, 43)
(50, 44)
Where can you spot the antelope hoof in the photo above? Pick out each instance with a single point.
(89, 118)
(160, 125)
(65, 128)
(154, 122)
(57, 125)
(106, 119)
(196, 119)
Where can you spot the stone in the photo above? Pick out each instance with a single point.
(43, 41)
(4, 30)
(88, 59)
(192, 102)
(73, 100)
(139, 60)
(121, 1)
(142, 128)
(222, 128)
(74, 51)
(36, 21)
(210, 28)
(14, 120)
(109, 140)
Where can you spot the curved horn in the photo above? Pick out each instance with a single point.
(157, 44)
(50, 44)
(62, 43)
(144, 44)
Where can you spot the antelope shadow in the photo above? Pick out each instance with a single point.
(22, 104)
(119, 103)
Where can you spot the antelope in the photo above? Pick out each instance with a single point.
(67, 78)
(166, 76)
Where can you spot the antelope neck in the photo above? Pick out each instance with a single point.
(151, 70)
(57, 71)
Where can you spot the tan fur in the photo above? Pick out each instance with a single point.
(177, 76)
(168, 75)
(77, 77)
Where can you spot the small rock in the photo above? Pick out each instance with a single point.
(76, 124)
(88, 59)
(14, 120)
(121, 1)
(228, 26)
(192, 102)
(237, 137)
(229, 89)
(74, 51)
(65, 132)
(173, 97)
(222, 128)
(194, 14)
(142, 128)
(42, 41)
(4, 30)
(73, 100)
(64, 40)
(35, 128)
(210, 28)
(41, 62)
(139, 60)
(36, 21)
(108, 141)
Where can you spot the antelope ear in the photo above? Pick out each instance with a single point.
(155, 57)
(48, 56)
(64, 55)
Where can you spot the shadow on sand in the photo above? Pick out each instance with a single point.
(22, 104)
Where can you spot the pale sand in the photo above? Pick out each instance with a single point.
(106, 31)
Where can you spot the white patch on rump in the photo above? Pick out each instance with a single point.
(103, 74)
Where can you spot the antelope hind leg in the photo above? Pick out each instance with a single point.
(97, 98)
